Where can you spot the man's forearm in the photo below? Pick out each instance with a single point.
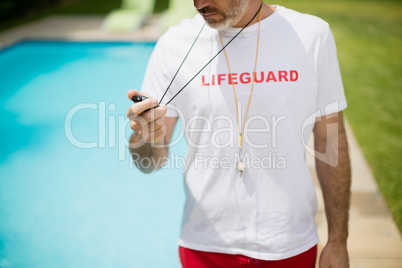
(146, 156)
(335, 184)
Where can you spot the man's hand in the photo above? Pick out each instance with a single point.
(148, 125)
(334, 256)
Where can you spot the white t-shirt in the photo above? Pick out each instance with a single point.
(268, 212)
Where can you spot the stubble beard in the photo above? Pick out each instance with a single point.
(235, 12)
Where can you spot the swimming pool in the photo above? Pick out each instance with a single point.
(68, 194)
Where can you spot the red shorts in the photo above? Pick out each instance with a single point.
(199, 259)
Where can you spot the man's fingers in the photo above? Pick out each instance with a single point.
(132, 92)
(155, 125)
(147, 122)
(148, 116)
(155, 136)
(139, 107)
(154, 114)
(137, 126)
(135, 109)
(149, 132)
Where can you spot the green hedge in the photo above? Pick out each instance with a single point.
(11, 9)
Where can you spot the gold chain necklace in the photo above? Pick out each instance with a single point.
(241, 165)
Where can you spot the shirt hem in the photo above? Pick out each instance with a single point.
(249, 253)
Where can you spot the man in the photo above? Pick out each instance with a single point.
(250, 199)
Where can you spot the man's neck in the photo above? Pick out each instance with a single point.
(252, 7)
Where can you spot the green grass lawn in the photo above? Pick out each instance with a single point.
(369, 40)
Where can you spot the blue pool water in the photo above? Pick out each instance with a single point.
(68, 195)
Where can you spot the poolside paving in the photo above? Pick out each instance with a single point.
(77, 28)
(374, 240)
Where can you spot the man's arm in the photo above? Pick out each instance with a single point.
(149, 144)
(333, 170)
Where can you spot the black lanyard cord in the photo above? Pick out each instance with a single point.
(206, 63)
(195, 40)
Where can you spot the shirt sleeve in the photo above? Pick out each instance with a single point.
(331, 96)
(156, 78)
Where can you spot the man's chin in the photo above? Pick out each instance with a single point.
(218, 25)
